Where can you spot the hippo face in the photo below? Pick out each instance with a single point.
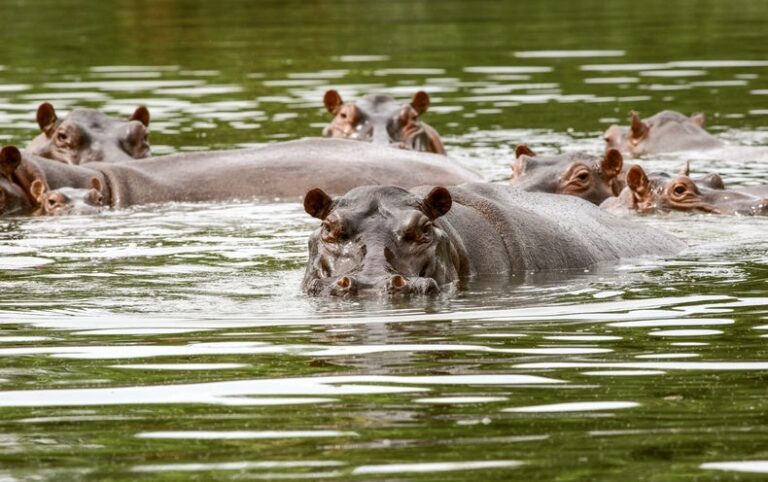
(67, 200)
(379, 240)
(666, 131)
(659, 193)
(380, 119)
(87, 135)
(12, 197)
(588, 177)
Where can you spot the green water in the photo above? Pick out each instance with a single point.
(173, 342)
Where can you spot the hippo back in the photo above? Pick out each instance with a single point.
(500, 226)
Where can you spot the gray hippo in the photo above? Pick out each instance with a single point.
(660, 193)
(383, 120)
(667, 131)
(281, 171)
(388, 240)
(593, 178)
(87, 135)
(67, 200)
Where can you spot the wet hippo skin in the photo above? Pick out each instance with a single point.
(88, 135)
(388, 240)
(280, 171)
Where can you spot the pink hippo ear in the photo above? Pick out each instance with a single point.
(638, 128)
(685, 169)
(38, 189)
(317, 203)
(332, 101)
(420, 102)
(612, 164)
(10, 159)
(46, 118)
(437, 202)
(141, 114)
(95, 183)
(524, 150)
(699, 119)
(638, 182)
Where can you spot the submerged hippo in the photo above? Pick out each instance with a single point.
(659, 193)
(383, 120)
(12, 196)
(387, 240)
(87, 135)
(667, 131)
(67, 200)
(589, 177)
(281, 171)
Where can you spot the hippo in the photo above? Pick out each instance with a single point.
(67, 200)
(13, 199)
(87, 135)
(667, 131)
(659, 193)
(382, 120)
(589, 177)
(386, 240)
(593, 178)
(281, 171)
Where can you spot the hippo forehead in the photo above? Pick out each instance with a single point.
(93, 119)
(378, 105)
(560, 162)
(667, 116)
(365, 202)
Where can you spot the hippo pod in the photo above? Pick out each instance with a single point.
(661, 193)
(667, 131)
(388, 240)
(382, 120)
(280, 171)
(87, 135)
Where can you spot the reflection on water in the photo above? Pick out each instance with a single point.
(173, 341)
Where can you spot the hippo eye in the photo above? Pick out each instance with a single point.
(343, 115)
(62, 137)
(583, 176)
(679, 189)
(51, 202)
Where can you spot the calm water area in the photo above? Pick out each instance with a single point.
(174, 343)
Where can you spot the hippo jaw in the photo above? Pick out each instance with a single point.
(368, 246)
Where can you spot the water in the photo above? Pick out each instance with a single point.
(173, 342)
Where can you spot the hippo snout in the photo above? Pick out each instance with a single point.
(399, 285)
(394, 285)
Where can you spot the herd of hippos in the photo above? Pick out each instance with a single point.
(398, 216)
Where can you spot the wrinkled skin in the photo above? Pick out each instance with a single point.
(387, 241)
(667, 131)
(592, 178)
(281, 171)
(382, 120)
(87, 135)
(662, 193)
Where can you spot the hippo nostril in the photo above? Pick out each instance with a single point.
(344, 282)
(398, 282)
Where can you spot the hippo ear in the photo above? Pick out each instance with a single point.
(38, 189)
(437, 202)
(637, 181)
(332, 101)
(638, 128)
(612, 164)
(420, 102)
(523, 149)
(317, 203)
(519, 167)
(95, 183)
(46, 118)
(699, 119)
(685, 169)
(141, 114)
(10, 158)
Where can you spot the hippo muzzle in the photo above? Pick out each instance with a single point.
(385, 287)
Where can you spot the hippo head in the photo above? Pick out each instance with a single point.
(666, 131)
(658, 193)
(588, 177)
(381, 119)
(66, 200)
(87, 135)
(379, 240)
(12, 197)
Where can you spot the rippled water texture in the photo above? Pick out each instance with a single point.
(173, 342)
